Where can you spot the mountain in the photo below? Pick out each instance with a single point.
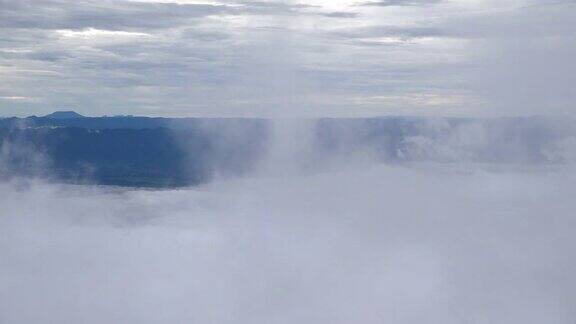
(126, 151)
(64, 115)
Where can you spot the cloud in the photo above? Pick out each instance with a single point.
(353, 242)
(408, 32)
(208, 58)
(17, 98)
(401, 3)
(337, 14)
(367, 245)
(105, 15)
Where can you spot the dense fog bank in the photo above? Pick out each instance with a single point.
(372, 245)
(326, 228)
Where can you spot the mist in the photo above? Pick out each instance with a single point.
(342, 162)
(308, 237)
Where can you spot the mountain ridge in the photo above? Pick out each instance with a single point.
(64, 114)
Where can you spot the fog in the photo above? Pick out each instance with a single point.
(356, 242)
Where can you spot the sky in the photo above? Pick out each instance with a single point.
(304, 58)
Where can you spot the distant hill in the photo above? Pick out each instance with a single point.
(124, 151)
(64, 115)
(126, 122)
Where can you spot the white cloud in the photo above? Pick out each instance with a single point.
(18, 98)
(373, 245)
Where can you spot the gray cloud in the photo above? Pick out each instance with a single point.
(244, 57)
(394, 31)
(550, 2)
(109, 15)
(337, 14)
(401, 3)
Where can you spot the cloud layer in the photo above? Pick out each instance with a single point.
(262, 58)
(377, 244)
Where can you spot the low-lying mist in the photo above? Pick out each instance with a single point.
(311, 236)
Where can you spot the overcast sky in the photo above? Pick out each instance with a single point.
(295, 57)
